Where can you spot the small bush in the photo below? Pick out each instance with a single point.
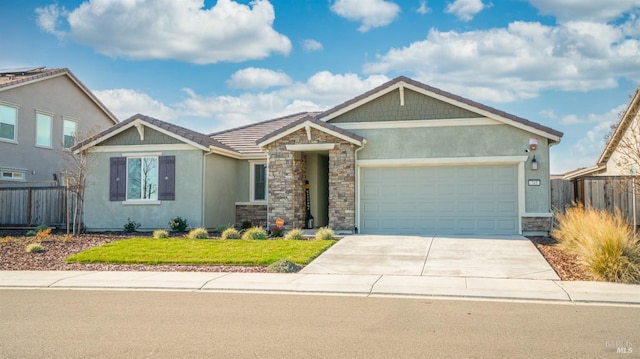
(283, 266)
(35, 248)
(30, 233)
(603, 242)
(246, 224)
(325, 233)
(222, 228)
(198, 233)
(277, 232)
(160, 233)
(179, 224)
(295, 234)
(230, 233)
(131, 226)
(43, 234)
(255, 233)
(42, 227)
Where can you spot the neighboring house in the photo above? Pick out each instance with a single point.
(619, 155)
(402, 158)
(41, 112)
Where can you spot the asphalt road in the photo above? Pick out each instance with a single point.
(147, 324)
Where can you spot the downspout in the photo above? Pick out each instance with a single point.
(204, 196)
(357, 185)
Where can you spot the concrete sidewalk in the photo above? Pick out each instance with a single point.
(351, 284)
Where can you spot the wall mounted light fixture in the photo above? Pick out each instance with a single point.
(534, 163)
(533, 143)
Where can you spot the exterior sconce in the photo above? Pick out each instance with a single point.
(533, 143)
(534, 163)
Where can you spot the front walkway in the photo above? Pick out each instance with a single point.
(512, 257)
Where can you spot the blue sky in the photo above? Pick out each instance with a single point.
(212, 65)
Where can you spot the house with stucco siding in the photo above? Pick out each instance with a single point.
(403, 158)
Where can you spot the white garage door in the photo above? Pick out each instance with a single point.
(439, 200)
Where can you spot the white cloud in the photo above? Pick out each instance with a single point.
(423, 8)
(371, 13)
(520, 61)
(465, 10)
(49, 18)
(168, 29)
(311, 45)
(207, 114)
(258, 79)
(125, 103)
(585, 10)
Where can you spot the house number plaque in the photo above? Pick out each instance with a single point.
(534, 182)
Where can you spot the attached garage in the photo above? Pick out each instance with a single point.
(430, 200)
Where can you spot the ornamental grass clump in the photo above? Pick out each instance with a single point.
(283, 266)
(603, 242)
(295, 234)
(198, 233)
(35, 248)
(230, 233)
(160, 233)
(255, 233)
(325, 234)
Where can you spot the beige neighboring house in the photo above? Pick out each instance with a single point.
(612, 157)
(41, 113)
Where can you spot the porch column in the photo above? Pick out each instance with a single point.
(342, 187)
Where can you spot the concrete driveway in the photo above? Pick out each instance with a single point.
(486, 257)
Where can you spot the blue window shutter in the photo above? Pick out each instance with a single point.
(167, 178)
(118, 179)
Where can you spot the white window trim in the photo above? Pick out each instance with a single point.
(13, 171)
(252, 182)
(15, 127)
(140, 200)
(75, 132)
(51, 117)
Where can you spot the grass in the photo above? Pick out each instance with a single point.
(604, 243)
(202, 252)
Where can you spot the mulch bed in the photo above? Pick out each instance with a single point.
(14, 257)
(565, 264)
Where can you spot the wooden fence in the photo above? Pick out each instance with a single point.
(608, 193)
(32, 206)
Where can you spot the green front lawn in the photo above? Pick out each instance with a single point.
(199, 251)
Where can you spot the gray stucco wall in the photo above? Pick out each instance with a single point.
(61, 98)
(417, 107)
(242, 181)
(102, 214)
(460, 141)
(220, 190)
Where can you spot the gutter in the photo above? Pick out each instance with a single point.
(357, 187)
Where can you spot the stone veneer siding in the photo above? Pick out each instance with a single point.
(536, 224)
(254, 213)
(287, 175)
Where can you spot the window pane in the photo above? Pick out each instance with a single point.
(150, 178)
(259, 182)
(69, 133)
(43, 130)
(134, 170)
(7, 122)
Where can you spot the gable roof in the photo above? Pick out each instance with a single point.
(11, 78)
(244, 139)
(402, 82)
(310, 121)
(196, 139)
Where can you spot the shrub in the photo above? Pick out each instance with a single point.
(30, 233)
(295, 234)
(35, 248)
(41, 227)
(43, 234)
(160, 233)
(131, 226)
(325, 233)
(179, 224)
(255, 233)
(230, 233)
(277, 232)
(603, 242)
(246, 224)
(222, 228)
(283, 266)
(198, 233)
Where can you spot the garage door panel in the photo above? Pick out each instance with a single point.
(447, 200)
